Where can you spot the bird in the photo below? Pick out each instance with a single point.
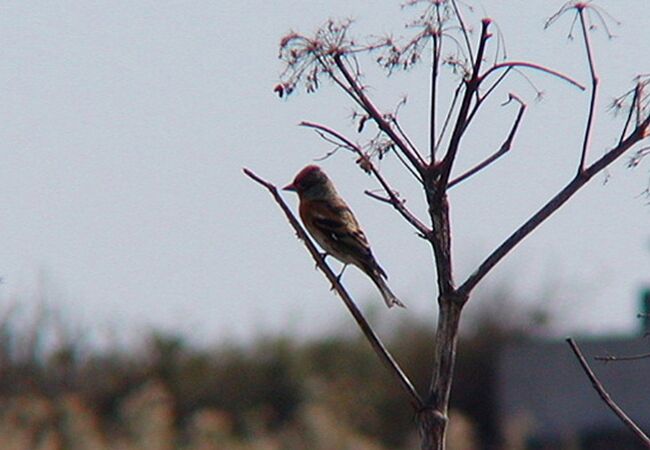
(331, 222)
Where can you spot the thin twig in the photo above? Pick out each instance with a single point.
(594, 90)
(496, 83)
(463, 29)
(480, 98)
(471, 87)
(613, 358)
(378, 118)
(395, 201)
(450, 111)
(633, 108)
(411, 144)
(406, 165)
(376, 343)
(505, 147)
(598, 386)
(433, 96)
(529, 65)
(378, 197)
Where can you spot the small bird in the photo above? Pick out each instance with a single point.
(333, 225)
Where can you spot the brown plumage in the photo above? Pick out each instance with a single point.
(332, 224)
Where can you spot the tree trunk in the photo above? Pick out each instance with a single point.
(432, 427)
(432, 420)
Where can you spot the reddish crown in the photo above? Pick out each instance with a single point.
(306, 173)
(307, 177)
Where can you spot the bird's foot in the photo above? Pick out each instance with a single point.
(322, 258)
(338, 277)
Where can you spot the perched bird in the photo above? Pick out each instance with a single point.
(332, 224)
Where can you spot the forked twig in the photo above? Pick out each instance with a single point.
(505, 147)
(600, 389)
(471, 87)
(376, 343)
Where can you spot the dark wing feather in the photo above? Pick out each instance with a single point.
(338, 223)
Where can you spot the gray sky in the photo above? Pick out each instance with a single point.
(125, 126)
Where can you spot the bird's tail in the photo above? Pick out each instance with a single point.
(390, 298)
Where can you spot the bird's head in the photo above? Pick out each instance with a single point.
(310, 181)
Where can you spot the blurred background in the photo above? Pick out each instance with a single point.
(152, 296)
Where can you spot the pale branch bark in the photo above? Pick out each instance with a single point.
(505, 148)
(431, 425)
(471, 87)
(394, 200)
(604, 395)
(432, 421)
(581, 178)
(441, 243)
(374, 340)
(414, 158)
(445, 354)
(594, 88)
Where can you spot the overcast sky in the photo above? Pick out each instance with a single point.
(125, 125)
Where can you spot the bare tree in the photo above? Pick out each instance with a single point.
(441, 38)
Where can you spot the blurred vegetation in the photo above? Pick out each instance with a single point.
(279, 393)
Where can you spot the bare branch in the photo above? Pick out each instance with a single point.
(491, 89)
(376, 343)
(378, 197)
(639, 133)
(598, 386)
(394, 200)
(613, 358)
(639, 103)
(633, 109)
(435, 65)
(410, 143)
(594, 88)
(471, 87)
(414, 158)
(450, 111)
(464, 29)
(505, 147)
(529, 65)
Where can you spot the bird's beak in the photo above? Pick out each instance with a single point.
(289, 187)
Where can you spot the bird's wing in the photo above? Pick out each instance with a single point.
(337, 223)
